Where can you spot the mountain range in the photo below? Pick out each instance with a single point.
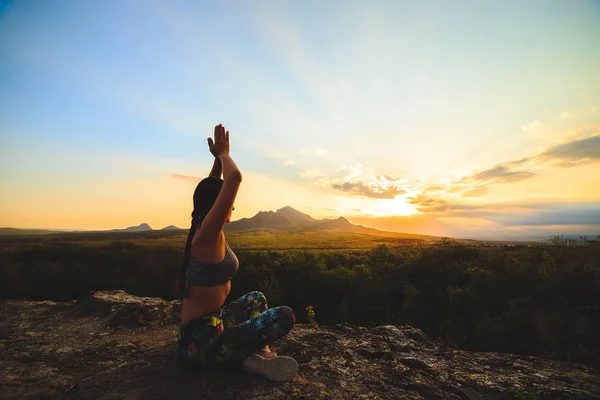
(288, 219)
(136, 228)
(284, 220)
(145, 227)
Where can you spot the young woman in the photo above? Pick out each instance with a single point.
(212, 335)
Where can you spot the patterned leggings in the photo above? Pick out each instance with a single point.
(226, 337)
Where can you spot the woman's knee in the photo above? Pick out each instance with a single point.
(256, 295)
(287, 318)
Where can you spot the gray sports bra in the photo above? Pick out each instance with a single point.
(205, 274)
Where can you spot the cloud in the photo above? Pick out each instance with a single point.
(581, 150)
(375, 191)
(187, 178)
(289, 163)
(392, 177)
(362, 181)
(565, 115)
(495, 221)
(522, 212)
(556, 216)
(500, 174)
(435, 188)
(495, 211)
(533, 126)
(429, 205)
(572, 153)
(476, 192)
(516, 163)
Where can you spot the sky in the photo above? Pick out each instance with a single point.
(475, 119)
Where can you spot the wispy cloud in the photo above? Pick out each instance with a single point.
(565, 115)
(570, 154)
(475, 192)
(533, 126)
(288, 163)
(557, 215)
(515, 213)
(435, 188)
(500, 174)
(187, 178)
(564, 155)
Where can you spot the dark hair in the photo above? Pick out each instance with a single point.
(205, 196)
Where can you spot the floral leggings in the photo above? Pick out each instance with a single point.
(226, 337)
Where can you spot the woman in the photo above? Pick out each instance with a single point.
(212, 335)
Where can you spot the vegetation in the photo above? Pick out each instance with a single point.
(538, 299)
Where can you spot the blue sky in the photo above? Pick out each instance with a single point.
(335, 108)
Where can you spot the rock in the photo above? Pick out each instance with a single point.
(122, 310)
(139, 361)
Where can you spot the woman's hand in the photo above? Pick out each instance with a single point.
(221, 143)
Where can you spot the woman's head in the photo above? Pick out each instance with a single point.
(205, 196)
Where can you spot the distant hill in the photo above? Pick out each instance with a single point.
(171, 228)
(17, 231)
(139, 228)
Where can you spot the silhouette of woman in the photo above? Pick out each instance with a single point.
(212, 335)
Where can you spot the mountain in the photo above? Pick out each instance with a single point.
(170, 228)
(139, 228)
(262, 220)
(296, 217)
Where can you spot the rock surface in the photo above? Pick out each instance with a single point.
(122, 310)
(112, 345)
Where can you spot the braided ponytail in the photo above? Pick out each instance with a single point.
(182, 290)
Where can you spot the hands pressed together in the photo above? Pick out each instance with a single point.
(220, 144)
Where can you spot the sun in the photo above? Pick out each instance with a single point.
(397, 206)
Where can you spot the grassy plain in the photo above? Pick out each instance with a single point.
(258, 239)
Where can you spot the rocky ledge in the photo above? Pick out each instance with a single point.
(112, 345)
